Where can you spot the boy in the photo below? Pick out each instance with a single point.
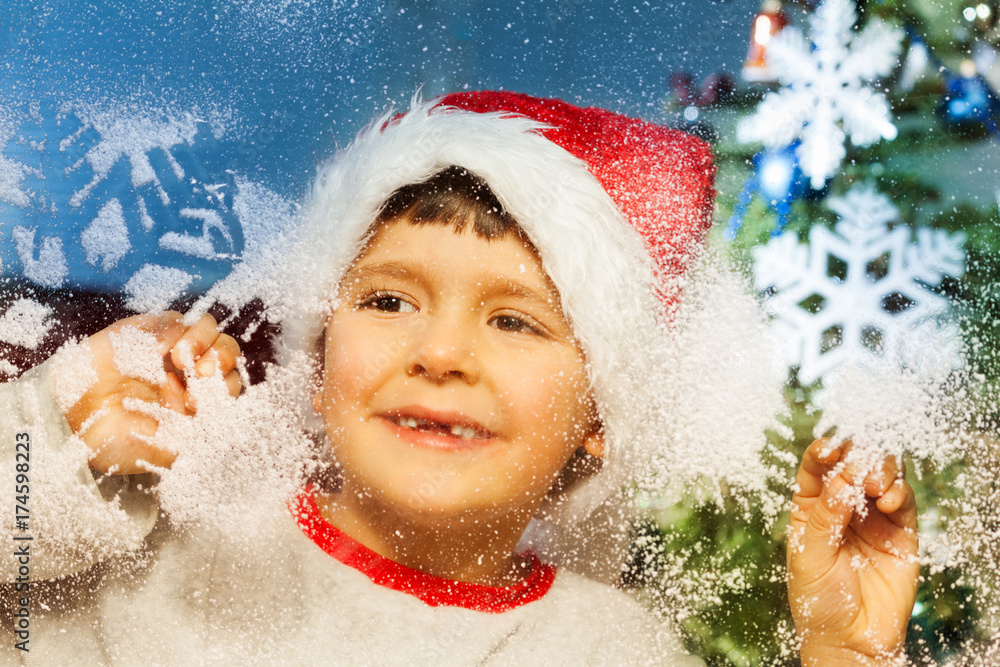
(482, 289)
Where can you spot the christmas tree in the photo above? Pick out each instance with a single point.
(858, 163)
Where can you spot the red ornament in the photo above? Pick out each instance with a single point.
(768, 23)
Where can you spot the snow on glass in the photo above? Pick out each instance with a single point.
(48, 147)
(826, 96)
(59, 160)
(238, 459)
(241, 457)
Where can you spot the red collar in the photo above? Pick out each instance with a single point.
(432, 590)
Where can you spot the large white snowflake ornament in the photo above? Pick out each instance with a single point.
(862, 294)
(825, 97)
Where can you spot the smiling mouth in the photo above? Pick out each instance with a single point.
(440, 428)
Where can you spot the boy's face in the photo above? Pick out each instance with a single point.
(453, 385)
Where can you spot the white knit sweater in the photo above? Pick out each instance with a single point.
(161, 595)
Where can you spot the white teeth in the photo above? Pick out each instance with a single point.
(463, 431)
(457, 430)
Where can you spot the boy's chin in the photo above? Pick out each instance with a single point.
(444, 511)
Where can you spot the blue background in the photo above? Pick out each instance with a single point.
(301, 77)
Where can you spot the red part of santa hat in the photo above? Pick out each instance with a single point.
(661, 179)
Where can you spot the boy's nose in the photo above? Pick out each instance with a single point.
(444, 349)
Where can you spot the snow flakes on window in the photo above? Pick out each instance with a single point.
(25, 323)
(895, 410)
(266, 219)
(862, 292)
(134, 138)
(12, 172)
(241, 459)
(106, 238)
(137, 355)
(128, 199)
(73, 374)
(49, 269)
(94, 193)
(825, 96)
(152, 288)
(720, 340)
(198, 246)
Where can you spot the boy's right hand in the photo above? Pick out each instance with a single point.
(121, 439)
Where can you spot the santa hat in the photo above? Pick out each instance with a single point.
(660, 179)
(616, 207)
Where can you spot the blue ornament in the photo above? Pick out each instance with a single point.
(780, 181)
(779, 177)
(969, 100)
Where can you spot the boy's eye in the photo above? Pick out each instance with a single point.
(388, 303)
(513, 324)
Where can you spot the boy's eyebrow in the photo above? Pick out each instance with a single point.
(513, 288)
(400, 270)
(495, 285)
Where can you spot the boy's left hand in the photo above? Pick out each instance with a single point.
(121, 438)
(852, 575)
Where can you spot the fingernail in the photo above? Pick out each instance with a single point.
(162, 347)
(160, 329)
(206, 367)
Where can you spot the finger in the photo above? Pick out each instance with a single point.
(234, 385)
(822, 533)
(168, 328)
(817, 461)
(121, 440)
(172, 394)
(221, 355)
(194, 343)
(899, 504)
(234, 382)
(880, 480)
(893, 498)
(190, 403)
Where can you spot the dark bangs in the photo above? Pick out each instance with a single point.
(453, 196)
